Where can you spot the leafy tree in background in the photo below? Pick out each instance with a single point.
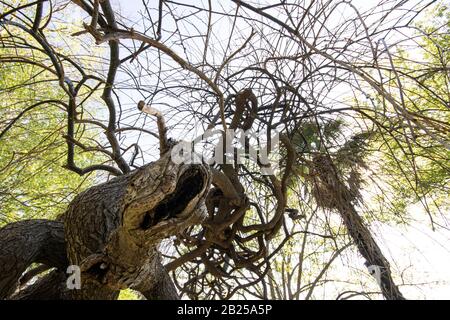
(32, 158)
(417, 164)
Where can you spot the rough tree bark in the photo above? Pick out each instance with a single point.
(26, 242)
(112, 232)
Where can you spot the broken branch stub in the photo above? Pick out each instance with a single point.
(164, 145)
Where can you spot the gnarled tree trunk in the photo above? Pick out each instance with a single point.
(111, 232)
